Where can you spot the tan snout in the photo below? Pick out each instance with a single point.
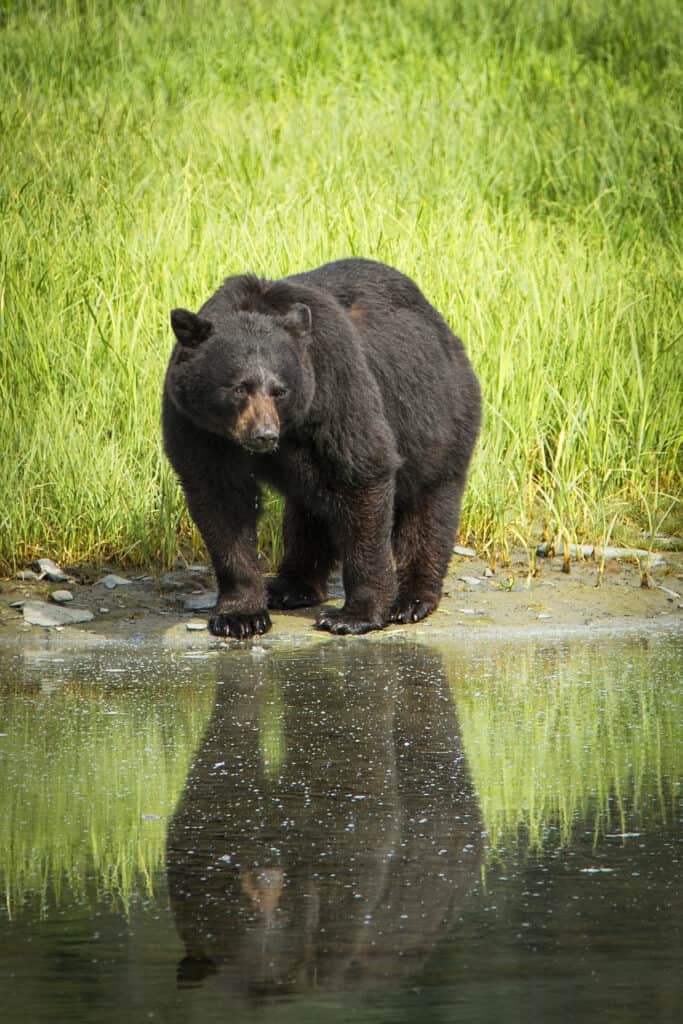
(258, 424)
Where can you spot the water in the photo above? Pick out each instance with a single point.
(381, 831)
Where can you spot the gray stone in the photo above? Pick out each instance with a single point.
(61, 596)
(27, 574)
(195, 625)
(597, 552)
(53, 572)
(40, 613)
(200, 602)
(110, 581)
(464, 552)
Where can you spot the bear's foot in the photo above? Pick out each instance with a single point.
(240, 626)
(340, 621)
(288, 592)
(410, 608)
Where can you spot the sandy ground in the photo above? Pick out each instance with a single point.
(475, 606)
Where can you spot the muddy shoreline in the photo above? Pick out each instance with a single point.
(153, 610)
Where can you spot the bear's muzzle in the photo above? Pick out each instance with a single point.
(258, 425)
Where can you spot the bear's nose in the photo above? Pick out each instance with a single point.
(264, 439)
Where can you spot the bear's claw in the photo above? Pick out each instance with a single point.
(336, 620)
(288, 593)
(411, 609)
(240, 627)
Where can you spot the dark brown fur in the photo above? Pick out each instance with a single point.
(345, 390)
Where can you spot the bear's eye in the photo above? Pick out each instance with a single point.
(239, 390)
(278, 391)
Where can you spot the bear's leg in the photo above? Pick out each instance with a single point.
(309, 556)
(226, 519)
(367, 570)
(423, 545)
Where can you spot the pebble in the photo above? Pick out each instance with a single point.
(471, 581)
(40, 613)
(173, 581)
(61, 596)
(48, 568)
(111, 580)
(27, 574)
(195, 626)
(200, 602)
(464, 552)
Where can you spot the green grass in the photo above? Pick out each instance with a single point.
(521, 160)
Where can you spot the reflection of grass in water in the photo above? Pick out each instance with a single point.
(272, 741)
(559, 734)
(551, 734)
(82, 769)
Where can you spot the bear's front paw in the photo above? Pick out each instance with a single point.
(241, 627)
(337, 620)
(412, 609)
(291, 593)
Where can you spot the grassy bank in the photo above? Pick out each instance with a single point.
(521, 160)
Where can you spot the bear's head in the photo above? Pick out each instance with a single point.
(243, 375)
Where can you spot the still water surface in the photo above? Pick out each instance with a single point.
(382, 831)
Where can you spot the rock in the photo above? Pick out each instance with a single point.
(111, 580)
(597, 552)
(195, 625)
(61, 596)
(471, 581)
(464, 552)
(665, 543)
(27, 574)
(40, 613)
(200, 602)
(175, 581)
(48, 568)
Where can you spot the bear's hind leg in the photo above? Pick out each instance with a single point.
(309, 557)
(367, 570)
(423, 544)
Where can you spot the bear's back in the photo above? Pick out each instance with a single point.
(429, 392)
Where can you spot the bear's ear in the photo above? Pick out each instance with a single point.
(189, 329)
(298, 320)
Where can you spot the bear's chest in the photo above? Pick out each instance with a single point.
(301, 474)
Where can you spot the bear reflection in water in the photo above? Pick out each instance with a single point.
(328, 830)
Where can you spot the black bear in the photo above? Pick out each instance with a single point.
(346, 391)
